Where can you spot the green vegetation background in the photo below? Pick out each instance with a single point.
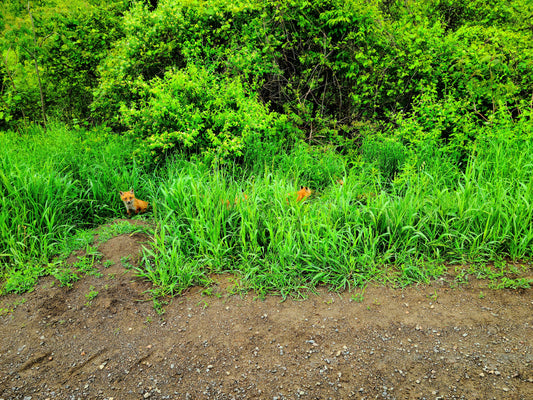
(421, 108)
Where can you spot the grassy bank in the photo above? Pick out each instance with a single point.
(53, 184)
(402, 227)
(404, 230)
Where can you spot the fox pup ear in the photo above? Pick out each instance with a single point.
(121, 193)
(301, 187)
(131, 190)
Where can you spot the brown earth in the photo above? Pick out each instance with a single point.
(423, 342)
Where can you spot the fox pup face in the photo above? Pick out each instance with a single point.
(128, 197)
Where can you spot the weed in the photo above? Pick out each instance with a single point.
(65, 276)
(204, 304)
(125, 261)
(90, 296)
(358, 297)
(209, 292)
(509, 283)
(12, 307)
(86, 265)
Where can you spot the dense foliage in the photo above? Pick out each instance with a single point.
(336, 71)
(399, 216)
(421, 109)
(60, 43)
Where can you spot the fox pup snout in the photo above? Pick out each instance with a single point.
(132, 203)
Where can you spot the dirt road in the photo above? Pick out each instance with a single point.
(423, 342)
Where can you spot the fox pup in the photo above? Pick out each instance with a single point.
(133, 204)
(303, 193)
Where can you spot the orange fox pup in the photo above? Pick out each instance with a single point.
(132, 203)
(303, 193)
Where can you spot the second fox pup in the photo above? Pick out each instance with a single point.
(132, 203)
(303, 193)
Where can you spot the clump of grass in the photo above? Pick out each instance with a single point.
(399, 219)
(403, 229)
(53, 184)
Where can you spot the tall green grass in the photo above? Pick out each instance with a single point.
(53, 183)
(398, 216)
(405, 228)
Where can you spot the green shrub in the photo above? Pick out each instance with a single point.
(65, 41)
(77, 41)
(198, 113)
(176, 34)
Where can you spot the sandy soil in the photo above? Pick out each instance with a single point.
(423, 342)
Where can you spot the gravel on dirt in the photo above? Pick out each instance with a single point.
(423, 342)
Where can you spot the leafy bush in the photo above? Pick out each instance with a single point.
(446, 121)
(77, 41)
(456, 13)
(198, 113)
(176, 34)
(65, 41)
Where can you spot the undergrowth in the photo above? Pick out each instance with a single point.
(400, 220)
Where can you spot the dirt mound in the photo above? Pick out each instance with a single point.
(102, 339)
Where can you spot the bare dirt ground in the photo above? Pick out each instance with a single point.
(422, 342)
